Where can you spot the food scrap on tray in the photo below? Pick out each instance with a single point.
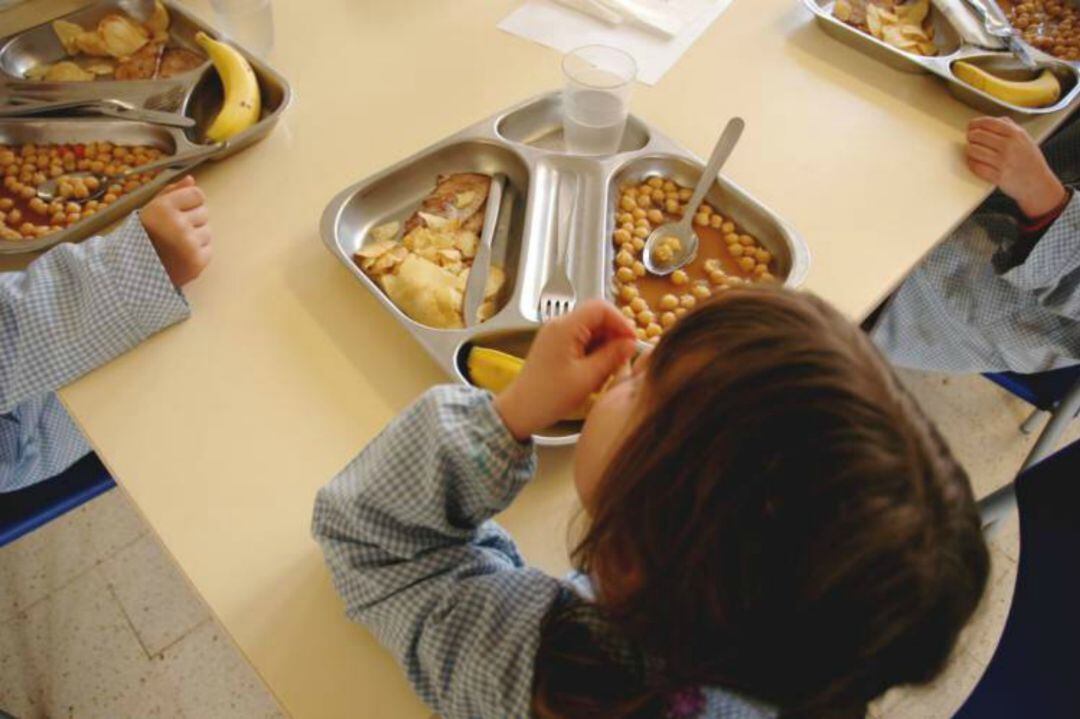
(904, 25)
(426, 271)
(119, 48)
(727, 256)
(25, 216)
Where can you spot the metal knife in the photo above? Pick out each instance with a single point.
(500, 195)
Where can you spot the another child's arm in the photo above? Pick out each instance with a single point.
(1002, 152)
(79, 306)
(405, 530)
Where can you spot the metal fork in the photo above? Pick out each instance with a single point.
(558, 296)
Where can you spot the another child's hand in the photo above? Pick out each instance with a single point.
(177, 221)
(1001, 152)
(570, 359)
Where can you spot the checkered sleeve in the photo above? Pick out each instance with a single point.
(1051, 273)
(79, 306)
(407, 535)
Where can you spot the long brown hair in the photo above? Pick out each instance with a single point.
(783, 522)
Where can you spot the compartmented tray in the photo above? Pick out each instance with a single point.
(196, 94)
(952, 49)
(525, 144)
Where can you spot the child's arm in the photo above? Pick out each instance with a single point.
(79, 306)
(1000, 151)
(405, 529)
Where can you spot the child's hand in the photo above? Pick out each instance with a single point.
(1001, 152)
(570, 359)
(177, 221)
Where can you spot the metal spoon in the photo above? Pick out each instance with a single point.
(47, 190)
(683, 230)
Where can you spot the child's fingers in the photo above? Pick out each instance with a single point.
(203, 237)
(983, 154)
(185, 181)
(187, 198)
(605, 361)
(987, 139)
(983, 171)
(199, 216)
(996, 125)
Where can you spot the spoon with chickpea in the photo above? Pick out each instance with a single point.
(674, 245)
(82, 187)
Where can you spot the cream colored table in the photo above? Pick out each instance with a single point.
(222, 429)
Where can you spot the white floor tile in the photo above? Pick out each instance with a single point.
(74, 655)
(213, 680)
(158, 601)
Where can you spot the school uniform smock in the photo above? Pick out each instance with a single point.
(1001, 293)
(75, 308)
(406, 530)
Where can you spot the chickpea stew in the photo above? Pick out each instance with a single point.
(1053, 26)
(727, 256)
(25, 216)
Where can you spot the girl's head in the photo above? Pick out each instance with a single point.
(770, 512)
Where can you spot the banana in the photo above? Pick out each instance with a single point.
(494, 371)
(243, 102)
(1042, 91)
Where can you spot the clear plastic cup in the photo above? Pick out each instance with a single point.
(596, 98)
(249, 23)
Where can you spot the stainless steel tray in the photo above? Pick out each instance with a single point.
(524, 142)
(950, 50)
(196, 94)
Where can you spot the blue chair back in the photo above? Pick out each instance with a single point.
(27, 509)
(1035, 671)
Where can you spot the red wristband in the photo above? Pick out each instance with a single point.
(1039, 224)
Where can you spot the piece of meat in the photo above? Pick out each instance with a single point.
(459, 197)
(143, 65)
(177, 61)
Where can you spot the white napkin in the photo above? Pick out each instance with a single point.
(564, 29)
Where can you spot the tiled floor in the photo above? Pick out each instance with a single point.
(95, 620)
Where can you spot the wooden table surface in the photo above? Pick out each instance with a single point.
(222, 429)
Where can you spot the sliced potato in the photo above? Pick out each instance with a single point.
(158, 24)
(67, 71)
(91, 43)
(68, 32)
(121, 35)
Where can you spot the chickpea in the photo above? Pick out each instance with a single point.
(658, 196)
(642, 223)
(767, 277)
(624, 259)
(630, 192)
(763, 256)
(621, 236)
(670, 186)
(73, 218)
(701, 219)
(639, 269)
(27, 192)
(747, 240)
(72, 207)
(38, 205)
(736, 250)
(629, 227)
(92, 183)
(26, 229)
(639, 214)
(645, 318)
(644, 189)
(747, 263)
(42, 230)
(673, 242)
(623, 217)
(645, 201)
(641, 232)
(627, 247)
(685, 193)
(623, 274)
(717, 277)
(57, 218)
(681, 312)
(640, 334)
(663, 255)
(731, 238)
(81, 192)
(115, 189)
(653, 330)
(638, 244)
(655, 182)
(687, 301)
(672, 207)
(627, 203)
(15, 217)
(655, 216)
(628, 313)
(639, 305)
(712, 265)
(679, 278)
(668, 319)
(728, 227)
(701, 291)
(760, 269)
(716, 222)
(629, 293)
(669, 302)
(66, 189)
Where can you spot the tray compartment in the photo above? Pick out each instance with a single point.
(792, 257)
(539, 124)
(395, 194)
(516, 342)
(57, 131)
(1008, 67)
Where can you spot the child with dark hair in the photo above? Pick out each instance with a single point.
(775, 530)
